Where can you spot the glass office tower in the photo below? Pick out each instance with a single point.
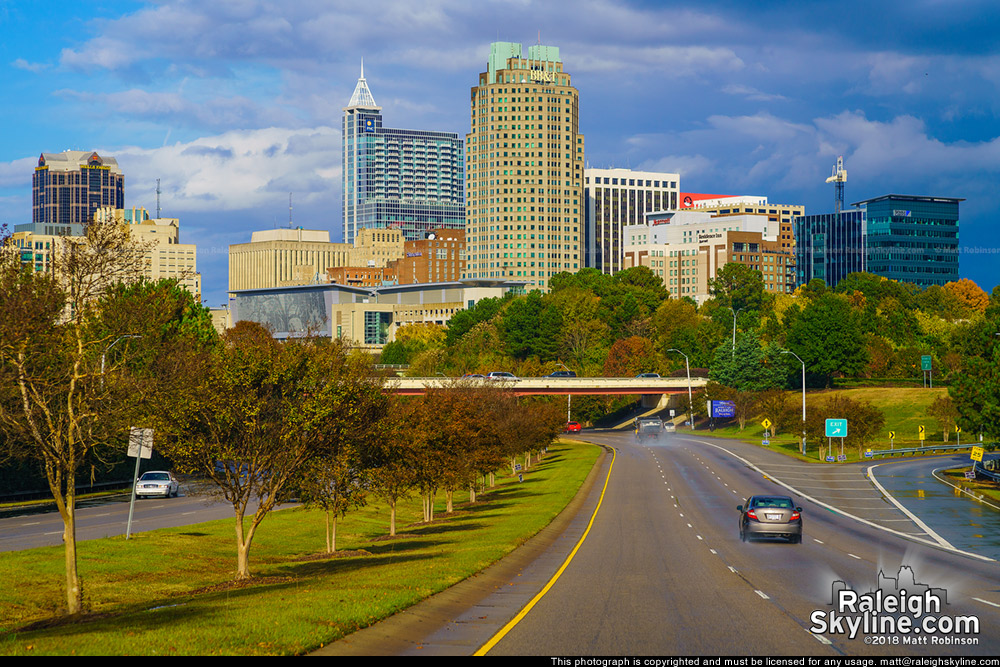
(412, 180)
(829, 246)
(912, 239)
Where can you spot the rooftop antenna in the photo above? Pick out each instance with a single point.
(838, 178)
(157, 199)
(290, 194)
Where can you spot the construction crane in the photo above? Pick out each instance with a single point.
(839, 177)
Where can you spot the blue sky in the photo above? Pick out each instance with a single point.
(235, 104)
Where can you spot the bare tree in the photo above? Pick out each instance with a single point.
(56, 406)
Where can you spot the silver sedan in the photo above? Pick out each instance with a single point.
(157, 483)
(770, 516)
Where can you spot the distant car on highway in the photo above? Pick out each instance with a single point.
(157, 483)
(573, 427)
(472, 376)
(562, 374)
(770, 516)
(668, 427)
(648, 375)
(648, 429)
(502, 375)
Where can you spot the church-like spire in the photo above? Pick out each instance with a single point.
(362, 97)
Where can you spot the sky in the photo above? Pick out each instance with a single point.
(235, 105)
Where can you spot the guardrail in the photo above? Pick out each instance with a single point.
(918, 450)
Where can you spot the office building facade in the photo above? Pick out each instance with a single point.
(412, 180)
(615, 199)
(912, 239)
(524, 157)
(829, 246)
(67, 189)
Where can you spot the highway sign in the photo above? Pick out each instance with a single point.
(925, 362)
(892, 435)
(766, 423)
(836, 428)
(977, 454)
(722, 409)
(921, 432)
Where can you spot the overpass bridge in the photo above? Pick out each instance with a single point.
(547, 386)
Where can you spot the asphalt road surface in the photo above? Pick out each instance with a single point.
(661, 570)
(42, 526)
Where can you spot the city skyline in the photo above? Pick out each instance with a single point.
(236, 107)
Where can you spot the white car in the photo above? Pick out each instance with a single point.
(502, 375)
(157, 483)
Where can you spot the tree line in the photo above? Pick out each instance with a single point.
(90, 349)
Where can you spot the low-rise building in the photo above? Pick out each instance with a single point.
(687, 248)
(366, 316)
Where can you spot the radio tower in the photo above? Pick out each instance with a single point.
(839, 177)
(157, 198)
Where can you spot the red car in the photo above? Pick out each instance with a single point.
(573, 427)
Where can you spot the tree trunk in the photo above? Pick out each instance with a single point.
(66, 503)
(392, 518)
(450, 505)
(472, 492)
(74, 594)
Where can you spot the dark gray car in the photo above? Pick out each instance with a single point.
(770, 516)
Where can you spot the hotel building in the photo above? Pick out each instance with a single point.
(687, 248)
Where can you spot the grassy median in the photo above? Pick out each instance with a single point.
(171, 592)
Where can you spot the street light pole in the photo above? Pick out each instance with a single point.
(687, 366)
(803, 398)
(568, 395)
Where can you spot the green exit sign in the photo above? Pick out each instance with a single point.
(925, 362)
(836, 428)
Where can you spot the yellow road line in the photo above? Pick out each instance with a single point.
(524, 612)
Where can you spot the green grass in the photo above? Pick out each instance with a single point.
(170, 592)
(976, 486)
(905, 409)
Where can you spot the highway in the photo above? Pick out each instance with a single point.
(661, 569)
(108, 517)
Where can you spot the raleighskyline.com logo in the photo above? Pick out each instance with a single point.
(898, 611)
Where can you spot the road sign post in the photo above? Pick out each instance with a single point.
(140, 445)
(836, 428)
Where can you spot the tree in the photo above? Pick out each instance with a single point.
(748, 366)
(827, 336)
(630, 356)
(335, 483)
(58, 403)
(944, 412)
(261, 411)
(976, 390)
(864, 421)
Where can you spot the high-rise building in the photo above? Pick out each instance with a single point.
(67, 189)
(912, 239)
(829, 246)
(615, 199)
(524, 156)
(411, 180)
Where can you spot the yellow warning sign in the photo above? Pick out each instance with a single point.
(977, 454)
